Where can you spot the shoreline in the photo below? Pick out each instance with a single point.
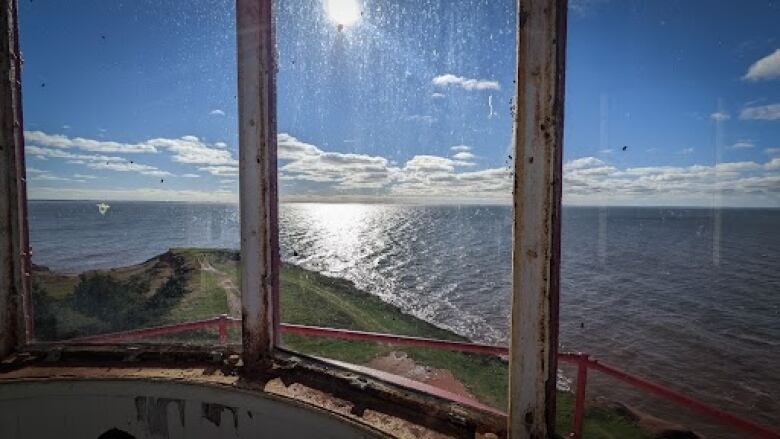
(188, 284)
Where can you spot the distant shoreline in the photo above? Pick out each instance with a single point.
(182, 284)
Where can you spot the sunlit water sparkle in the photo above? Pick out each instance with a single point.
(647, 288)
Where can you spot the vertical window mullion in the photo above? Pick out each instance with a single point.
(15, 308)
(537, 207)
(257, 180)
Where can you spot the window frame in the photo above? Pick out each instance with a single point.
(538, 134)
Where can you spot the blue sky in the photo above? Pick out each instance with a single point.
(136, 100)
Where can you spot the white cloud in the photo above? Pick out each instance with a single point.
(217, 112)
(720, 116)
(449, 79)
(437, 95)
(85, 176)
(191, 150)
(290, 148)
(341, 170)
(430, 164)
(589, 180)
(220, 171)
(307, 170)
(583, 163)
(686, 151)
(350, 173)
(464, 155)
(141, 194)
(764, 112)
(35, 175)
(743, 144)
(102, 162)
(66, 127)
(737, 166)
(129, 167)
(488, 184)
(60, 154)
(60, 141)
(767, 67)
(185, 149)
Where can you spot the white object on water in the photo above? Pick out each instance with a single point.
(103, 208)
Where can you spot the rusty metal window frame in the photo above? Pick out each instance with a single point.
(538, 137)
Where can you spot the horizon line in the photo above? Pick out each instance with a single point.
(411, 203)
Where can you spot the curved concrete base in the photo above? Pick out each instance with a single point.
(87, 409)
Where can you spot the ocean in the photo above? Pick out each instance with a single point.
(687, 297)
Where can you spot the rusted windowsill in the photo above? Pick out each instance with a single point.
(366, 394)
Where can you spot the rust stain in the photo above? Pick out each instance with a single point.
(538, 131)
(372, 396)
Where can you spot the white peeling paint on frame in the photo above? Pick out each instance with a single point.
(536, 229)
(257, 180)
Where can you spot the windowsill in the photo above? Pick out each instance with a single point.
(373, 398)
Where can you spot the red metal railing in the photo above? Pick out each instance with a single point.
(583, 362)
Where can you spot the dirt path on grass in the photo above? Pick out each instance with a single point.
(232, 294)
(399, 363)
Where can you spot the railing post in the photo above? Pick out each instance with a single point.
(222, 325)
(579, 402)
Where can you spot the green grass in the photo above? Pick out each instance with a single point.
(57, 286)
(205, 299)
(599, 422)
(310, 298)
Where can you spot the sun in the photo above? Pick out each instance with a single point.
(343, 12)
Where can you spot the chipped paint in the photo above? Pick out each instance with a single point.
(257, 181)
(370, 395)
(538, 127)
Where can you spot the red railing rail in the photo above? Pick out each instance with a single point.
(582, 361)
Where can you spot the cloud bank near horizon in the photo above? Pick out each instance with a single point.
(307, 172)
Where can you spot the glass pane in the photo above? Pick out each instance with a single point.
(395, 178)
(131, 151)
(670, 226)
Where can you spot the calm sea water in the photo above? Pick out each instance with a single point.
(690, 297)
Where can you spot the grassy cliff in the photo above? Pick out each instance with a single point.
(191, 284)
